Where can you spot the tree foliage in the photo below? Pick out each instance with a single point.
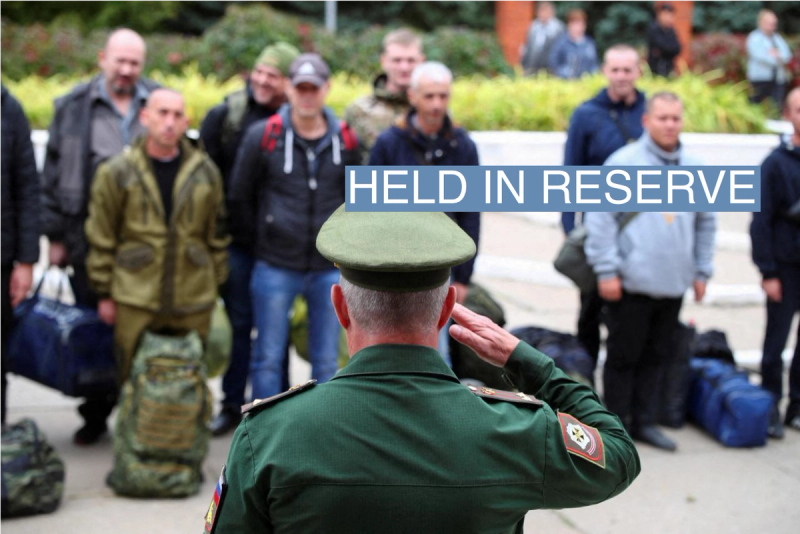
(608, 21)
(425, 16)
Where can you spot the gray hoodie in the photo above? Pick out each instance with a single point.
(656, 254)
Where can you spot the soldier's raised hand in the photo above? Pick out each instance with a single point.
(489, 341)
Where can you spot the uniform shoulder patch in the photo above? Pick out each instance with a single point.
(582, 440)
(508, 396)
(216, 502)
(260, 403)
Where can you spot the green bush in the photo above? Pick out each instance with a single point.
(478, 103)
(65, 51)
(231, 46)
(720, 51)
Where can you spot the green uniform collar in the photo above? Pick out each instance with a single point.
(397, 358)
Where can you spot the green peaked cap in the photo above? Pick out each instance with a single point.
(394, 251)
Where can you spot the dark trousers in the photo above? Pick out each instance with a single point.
(765, 90)
(8, 323)
(238, 305)
(640, 331)
(589, 320)
(94, 410)
(779, 321)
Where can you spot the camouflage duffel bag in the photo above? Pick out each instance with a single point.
(160, 436)
(33, 474)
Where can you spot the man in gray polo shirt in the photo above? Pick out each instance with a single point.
(94, 121)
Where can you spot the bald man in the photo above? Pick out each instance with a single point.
(92, 123)
(156, 258)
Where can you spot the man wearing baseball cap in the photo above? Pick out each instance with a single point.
(288, 178)
(222, 132)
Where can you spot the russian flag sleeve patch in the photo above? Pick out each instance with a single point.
(216, 502)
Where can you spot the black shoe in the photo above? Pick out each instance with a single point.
(793, 417)
(89, 434)
(652, 435)
(775, 428)
(227, 420)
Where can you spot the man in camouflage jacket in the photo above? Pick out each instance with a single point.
(156, 232)
(372, 114)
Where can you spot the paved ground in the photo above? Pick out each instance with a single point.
(703, 488)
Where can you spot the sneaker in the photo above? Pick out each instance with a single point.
(89, 434)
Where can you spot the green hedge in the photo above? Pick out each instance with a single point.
(501, 103)
(231, 46)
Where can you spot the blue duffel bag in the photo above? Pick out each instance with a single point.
(727, 405)
(65, 347)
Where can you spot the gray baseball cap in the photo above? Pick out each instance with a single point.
(310, 68)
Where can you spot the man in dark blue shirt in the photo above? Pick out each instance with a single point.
(427, 136)
(598, 128)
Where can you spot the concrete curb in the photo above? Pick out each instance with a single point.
(544, 274)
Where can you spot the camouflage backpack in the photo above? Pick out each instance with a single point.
(33, 474)
(160, 436)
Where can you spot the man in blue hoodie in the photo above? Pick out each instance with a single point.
(775, 233)
(289, 177)
(643, 272)
(598, 127)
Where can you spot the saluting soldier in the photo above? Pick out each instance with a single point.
(395, 430)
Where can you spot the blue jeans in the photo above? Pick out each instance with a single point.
(273, 290)
(238, 305)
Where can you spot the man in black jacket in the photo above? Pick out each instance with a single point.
(222, 132)
(427, 136)
(662, 41)
(92, 123)
(20, 217)
(775, 234)
(289, 177)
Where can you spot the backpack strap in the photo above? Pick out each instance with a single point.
(237, 108)
(272, 132)
(348, 136)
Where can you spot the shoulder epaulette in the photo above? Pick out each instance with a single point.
(508, 396)
(260, 403)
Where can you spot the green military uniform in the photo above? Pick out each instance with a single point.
(372, 114)
(396, 444)
(165, 270)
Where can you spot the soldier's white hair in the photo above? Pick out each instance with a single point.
(432, 71)
(389, 311)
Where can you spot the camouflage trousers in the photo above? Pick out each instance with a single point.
(132, 322)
